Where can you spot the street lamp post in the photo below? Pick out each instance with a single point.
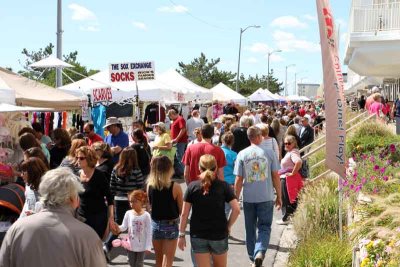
(288, 66)
(269, 54)
(240, 47)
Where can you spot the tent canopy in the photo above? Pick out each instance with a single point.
(50, 62)
(294, 98)
(35, 94)
(222, 92)
(260, 95)
(168, 87)
(192, 91)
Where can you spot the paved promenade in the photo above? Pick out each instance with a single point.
(237, 255)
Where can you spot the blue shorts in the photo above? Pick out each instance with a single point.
(165, 229)
(216, 247)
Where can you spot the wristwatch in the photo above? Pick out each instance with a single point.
(181, 235)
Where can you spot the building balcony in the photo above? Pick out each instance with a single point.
(373, 44)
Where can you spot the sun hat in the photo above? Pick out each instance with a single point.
(160, 124)
(112, 121)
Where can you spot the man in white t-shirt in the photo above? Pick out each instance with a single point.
(193, 123)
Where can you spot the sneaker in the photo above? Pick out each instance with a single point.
(282, 222)
(258, 260)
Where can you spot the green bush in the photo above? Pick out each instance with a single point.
(318, 209)
(314, 159)
(322, 251)
(369, 136)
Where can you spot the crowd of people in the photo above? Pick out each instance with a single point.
(82, 192)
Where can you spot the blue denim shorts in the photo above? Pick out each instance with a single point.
(216, 247)
(165, 229)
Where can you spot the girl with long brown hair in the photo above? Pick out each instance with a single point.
(209, 228)
(165, 199)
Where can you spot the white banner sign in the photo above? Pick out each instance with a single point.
(131, 71)
(102, 95)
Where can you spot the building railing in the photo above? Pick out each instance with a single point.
(375, 17)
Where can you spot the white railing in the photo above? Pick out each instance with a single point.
(376, 17)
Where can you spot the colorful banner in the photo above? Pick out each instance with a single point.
(131, 71)
(102, 95)
(335, 104)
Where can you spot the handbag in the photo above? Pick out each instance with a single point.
(304, 170)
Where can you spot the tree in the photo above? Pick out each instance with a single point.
(203, 72)
(48, 76)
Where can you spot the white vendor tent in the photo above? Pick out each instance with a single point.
(260, 95)
(34, 94)
(167, 87)
(50, 62)
(268, 92)
(191, 91)
(4, 107)
(221, 92)
(280, 98)
(294, 98)
(304, 98)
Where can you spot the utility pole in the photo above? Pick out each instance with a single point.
(59, 42)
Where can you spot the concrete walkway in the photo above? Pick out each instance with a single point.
(237, 255)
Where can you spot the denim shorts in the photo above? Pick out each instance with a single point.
(217, 247)
(165, 229)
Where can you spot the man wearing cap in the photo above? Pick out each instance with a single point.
(117, 139)
(180, 138)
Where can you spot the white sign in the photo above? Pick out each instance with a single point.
(102, 94)
(131, 71)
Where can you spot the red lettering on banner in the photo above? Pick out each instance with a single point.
(328, 22)
(101, 94)
(123, 76)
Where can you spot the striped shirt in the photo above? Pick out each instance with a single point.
(121, 186)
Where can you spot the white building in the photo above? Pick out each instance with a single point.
(307, 89)
(373, 46)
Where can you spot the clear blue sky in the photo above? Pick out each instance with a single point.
(170, 31)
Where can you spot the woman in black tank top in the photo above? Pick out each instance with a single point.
(165, 198)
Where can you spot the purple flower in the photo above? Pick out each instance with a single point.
(364, 157)
(346, 183)
(372, 177)
(355, 174)
(363, 180)
(352, 187)
(372, 159)
(388, 162)
(385, 178)
(376, 167)
(358, 188)
(383, 170)
(392, 148)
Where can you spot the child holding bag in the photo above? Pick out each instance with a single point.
(138, 223)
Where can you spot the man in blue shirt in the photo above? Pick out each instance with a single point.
(117, 139)
(256, 172)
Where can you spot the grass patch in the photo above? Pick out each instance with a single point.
(322, 251)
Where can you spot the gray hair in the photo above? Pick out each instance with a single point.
(246, 121)
(58, 186)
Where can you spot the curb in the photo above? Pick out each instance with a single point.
(287, 243)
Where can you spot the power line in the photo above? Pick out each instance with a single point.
(200, 19)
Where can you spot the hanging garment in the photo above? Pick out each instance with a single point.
(73, 120)
(64, 119)
(99, 119)
(59, 123)
(55, 121)
(116, 110)
(47, 123)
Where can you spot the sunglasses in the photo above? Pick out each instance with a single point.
(80, 158)
(287, 144)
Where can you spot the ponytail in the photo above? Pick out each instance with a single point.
(207, 165)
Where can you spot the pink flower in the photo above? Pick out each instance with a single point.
(372, 159)
(363, 180)
(355, 174)
(352, 187)
(383, 170)
(372, 178)
(376, 167)
(385, 178)
(375, 190)
(346, 183)
(392, 148)
(364, 157)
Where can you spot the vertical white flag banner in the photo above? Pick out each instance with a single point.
(335, 104)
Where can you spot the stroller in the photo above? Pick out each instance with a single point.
(12, 199)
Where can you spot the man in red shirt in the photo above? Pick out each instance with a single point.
(195, 151)
(180, 138)
(92, 137)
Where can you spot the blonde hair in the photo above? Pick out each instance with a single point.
(292, 140)
(264, 129)
(208, 166)
(161, 171)
(89, 153)
(291, 130)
